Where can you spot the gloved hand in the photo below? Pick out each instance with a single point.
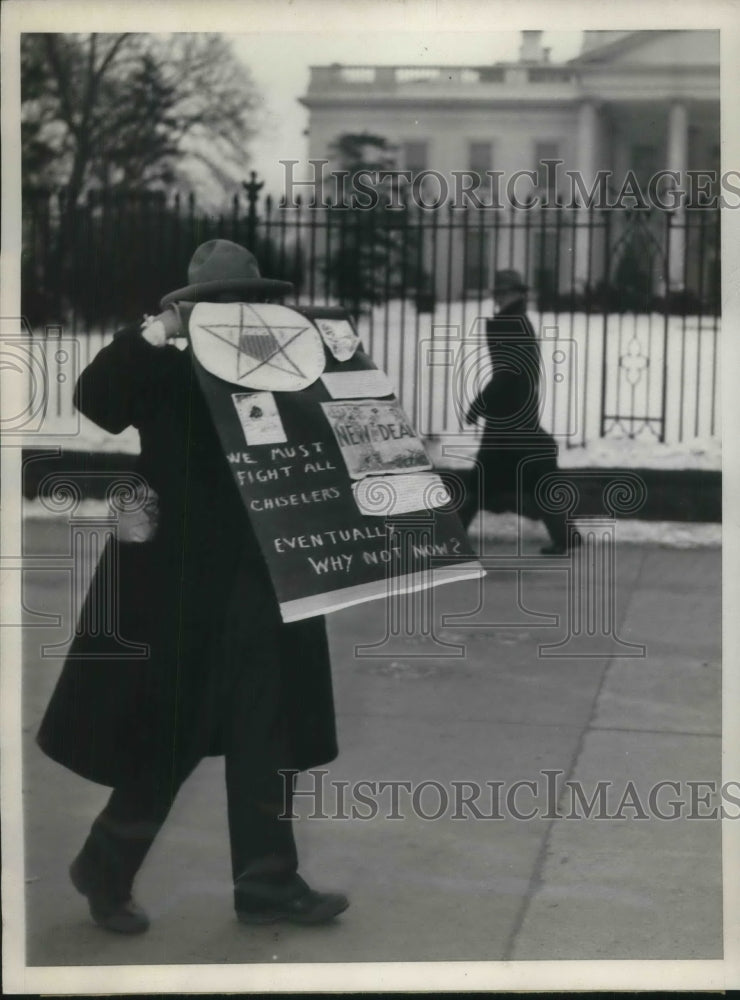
(138, 520)
(157, 330)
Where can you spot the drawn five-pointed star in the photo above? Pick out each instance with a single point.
(257, 341)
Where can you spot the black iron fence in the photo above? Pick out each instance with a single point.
(627, 302)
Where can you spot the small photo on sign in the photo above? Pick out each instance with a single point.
(259, 417)
(375, 436)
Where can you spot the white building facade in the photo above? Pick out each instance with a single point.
(640, 102)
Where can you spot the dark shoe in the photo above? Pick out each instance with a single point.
(265, 903)
(123, 916)
(561, 548)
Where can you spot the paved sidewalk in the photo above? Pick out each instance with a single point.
(446, 889)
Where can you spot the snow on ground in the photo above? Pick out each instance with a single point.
(623, 453)
(77, 433)
(674, 534)
(604, 453)
(495, 527)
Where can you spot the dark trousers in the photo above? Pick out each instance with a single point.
(513, 468)
(262, 844)
(244, 713)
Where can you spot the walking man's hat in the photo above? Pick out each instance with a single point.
(508, 280)
(220, 266)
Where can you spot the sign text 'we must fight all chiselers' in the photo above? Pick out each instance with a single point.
(338, 487)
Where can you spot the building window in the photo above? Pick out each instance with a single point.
(546, 172)
(415, 156)
(480, 157)
(644, 164)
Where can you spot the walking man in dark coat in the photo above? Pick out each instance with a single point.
(515, 452)
(223, 674)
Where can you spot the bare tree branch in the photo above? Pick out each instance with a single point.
(111, 54)
(128, 107)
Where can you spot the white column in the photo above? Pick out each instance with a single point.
(587, 151)
(677, 159)
(678, 138)
(586, 139)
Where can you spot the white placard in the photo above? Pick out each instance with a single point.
(385, 496)
(357, 385)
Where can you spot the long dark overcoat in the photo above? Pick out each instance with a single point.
(515, 451)
(197, 593)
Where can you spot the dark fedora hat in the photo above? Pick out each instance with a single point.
(222, 266)
(508, 280)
